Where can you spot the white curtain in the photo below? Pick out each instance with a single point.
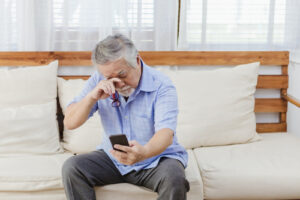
(234, 25)
(70, 25)
(77, 25)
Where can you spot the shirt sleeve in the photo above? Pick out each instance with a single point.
(89, 86)
(166, 107)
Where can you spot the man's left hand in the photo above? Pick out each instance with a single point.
(131, 155)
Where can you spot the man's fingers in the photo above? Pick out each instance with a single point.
(112, 87)
(115, 80)
(119, 155)
(133, 142)
(105, 89)
(123, 148)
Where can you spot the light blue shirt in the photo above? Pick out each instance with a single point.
(152, 106)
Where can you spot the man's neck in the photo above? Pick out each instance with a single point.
(126, 98)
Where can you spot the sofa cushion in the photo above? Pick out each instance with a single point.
(57, 194)
(125, 191)
(216, 107)
(29, 129)
(86, 137)
(28, 85)
(31, 172)
(267, 169)
(42, 173)
(28, 110)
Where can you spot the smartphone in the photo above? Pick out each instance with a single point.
(118, 139)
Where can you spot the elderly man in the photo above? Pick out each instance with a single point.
(135, 100)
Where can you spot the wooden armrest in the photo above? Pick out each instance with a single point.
(291, 99)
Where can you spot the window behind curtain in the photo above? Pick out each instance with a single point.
(8, 31)
(86, 21)
(74, 24)
(239, 24)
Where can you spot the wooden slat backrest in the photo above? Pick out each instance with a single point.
(184, 58)
(179, 58)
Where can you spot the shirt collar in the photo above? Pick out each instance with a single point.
(147, 82)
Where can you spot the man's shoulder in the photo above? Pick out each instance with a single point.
(160, 77)
(95, 77)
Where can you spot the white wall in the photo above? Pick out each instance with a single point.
(293, 114)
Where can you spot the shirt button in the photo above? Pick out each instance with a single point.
(126, 117)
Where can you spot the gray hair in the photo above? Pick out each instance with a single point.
(115, 47)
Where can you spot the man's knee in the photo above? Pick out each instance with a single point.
(70, 167)
(173, 175)
(175, 182)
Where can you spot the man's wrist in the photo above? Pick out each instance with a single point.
(90, 99)
(147, 152)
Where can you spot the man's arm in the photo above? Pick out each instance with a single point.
(136, 152)
(77, 113)
(159, 142)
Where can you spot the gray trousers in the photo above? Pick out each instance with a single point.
(82, 172)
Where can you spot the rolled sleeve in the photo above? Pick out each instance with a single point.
(89, 86)
(166, 108)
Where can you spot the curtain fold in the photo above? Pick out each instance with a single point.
(77, 25)
(240, 25)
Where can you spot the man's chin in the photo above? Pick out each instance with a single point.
(126, 94)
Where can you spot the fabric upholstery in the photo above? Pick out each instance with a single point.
(28, 110)
(21, 173)
(86, 137)
(267, 169)
(216, 107)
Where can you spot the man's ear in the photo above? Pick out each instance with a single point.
(138, 59)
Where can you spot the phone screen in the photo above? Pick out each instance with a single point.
(118, 139)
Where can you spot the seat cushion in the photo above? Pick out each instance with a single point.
(31, 172)
(267, 169)
(125, 191)
(56, 194)
(41, 175)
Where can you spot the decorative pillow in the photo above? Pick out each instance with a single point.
(216, 107)
(28, 110)
(86, 137)
(29, 129)
(28, 85)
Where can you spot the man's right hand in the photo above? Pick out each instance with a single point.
(104, 89)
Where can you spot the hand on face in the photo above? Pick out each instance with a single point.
(104, 89)
(130, 155)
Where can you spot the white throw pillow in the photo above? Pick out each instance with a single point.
(216, 107)
(29, 129)
(28, 110)
(28, 85)
(85, 138)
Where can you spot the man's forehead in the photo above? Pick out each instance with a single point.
(112, 69)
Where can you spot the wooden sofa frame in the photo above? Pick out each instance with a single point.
(186, 58)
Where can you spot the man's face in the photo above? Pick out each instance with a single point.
(128, 75)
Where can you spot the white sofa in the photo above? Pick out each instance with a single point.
(223, 164)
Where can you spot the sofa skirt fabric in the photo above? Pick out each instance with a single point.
(57, 194)
(267, 169)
